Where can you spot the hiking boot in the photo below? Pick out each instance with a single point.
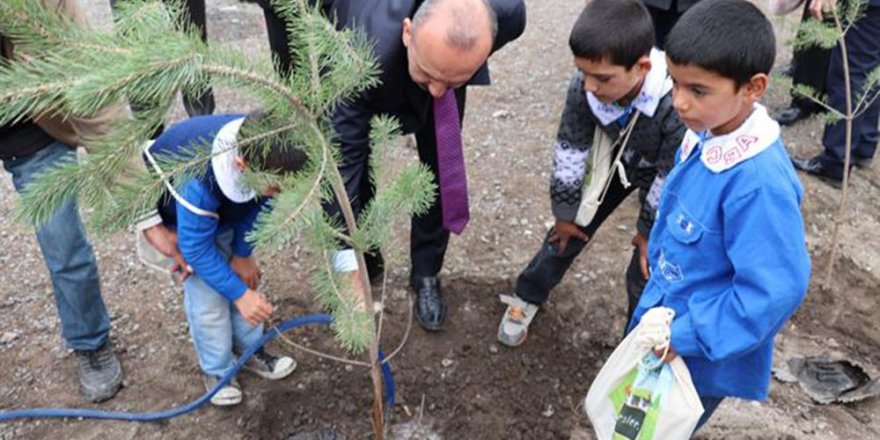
(514, 325)
(100, 375)
(270, 367)
(228, 395)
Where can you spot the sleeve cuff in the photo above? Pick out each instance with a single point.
(644, 227)
(684, 337)
(237, 291)
(344, 261)
(148, 220)
(565, 212)
(242, 250)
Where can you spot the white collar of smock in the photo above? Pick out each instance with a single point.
(656, 85)
(719, 153)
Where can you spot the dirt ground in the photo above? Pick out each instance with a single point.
(457, 384)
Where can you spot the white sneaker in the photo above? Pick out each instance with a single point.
(270, 367)
(514, 325)
(229, 395)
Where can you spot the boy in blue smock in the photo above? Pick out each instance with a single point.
(212, 214)
(727, 251)
(618, 133)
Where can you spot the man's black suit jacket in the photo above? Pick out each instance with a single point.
(397, 95)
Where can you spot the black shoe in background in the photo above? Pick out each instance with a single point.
(832, 175)
(862, 162)
(793, 114)
(430, 309)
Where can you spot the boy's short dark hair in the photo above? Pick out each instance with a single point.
(732, 38)
(272, 156)
(617, 30)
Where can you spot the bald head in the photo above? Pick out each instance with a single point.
(447, 41)
(466, 22)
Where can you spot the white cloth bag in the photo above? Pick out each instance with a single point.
(635, 396)
(603, 163)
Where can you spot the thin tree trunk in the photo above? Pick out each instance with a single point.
(375, 369)
(841, 210)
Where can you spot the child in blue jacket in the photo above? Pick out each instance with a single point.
(212, 213)
(727, 251)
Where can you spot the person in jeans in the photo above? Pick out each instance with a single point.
(28, 148)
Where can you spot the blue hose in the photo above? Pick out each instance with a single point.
(35, 413)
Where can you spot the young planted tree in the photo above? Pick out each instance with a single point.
(65, 68)
(828, 34)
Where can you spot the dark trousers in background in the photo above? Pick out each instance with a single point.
(203, 104)
(664, 20)
(810, 66)
(548, 266)
(863, 52)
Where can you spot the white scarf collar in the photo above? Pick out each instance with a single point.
(757, 133)
(656, 85)
(227, 174)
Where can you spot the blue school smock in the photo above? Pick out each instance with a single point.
(728, 254)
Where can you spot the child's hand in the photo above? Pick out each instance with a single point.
(564, 231)
(254, 306)
(670, 354)
(641, 242)
(247, 269)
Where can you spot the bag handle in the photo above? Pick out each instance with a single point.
(189, 206)
(621, 171)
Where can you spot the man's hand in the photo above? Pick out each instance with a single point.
(248, 270)
(254, 307)
(165, 241)
(641, 242)
(564, 231)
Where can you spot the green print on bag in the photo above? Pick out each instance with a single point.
(638, 399)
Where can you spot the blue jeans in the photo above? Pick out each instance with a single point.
(215, 324)
(85, 324)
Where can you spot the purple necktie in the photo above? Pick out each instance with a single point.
(450, 163)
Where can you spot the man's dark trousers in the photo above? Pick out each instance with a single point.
(863, 52)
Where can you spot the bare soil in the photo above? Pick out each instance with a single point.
(459, 383)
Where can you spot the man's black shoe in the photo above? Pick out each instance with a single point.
(817, 167)
(793, 114)
(430, 310)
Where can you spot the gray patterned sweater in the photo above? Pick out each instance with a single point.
(649, 155)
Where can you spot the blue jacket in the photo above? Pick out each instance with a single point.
(728, 254)
(196, 233)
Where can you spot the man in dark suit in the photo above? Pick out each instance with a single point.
(425, 48)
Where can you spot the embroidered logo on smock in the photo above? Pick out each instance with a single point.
(670, 271)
